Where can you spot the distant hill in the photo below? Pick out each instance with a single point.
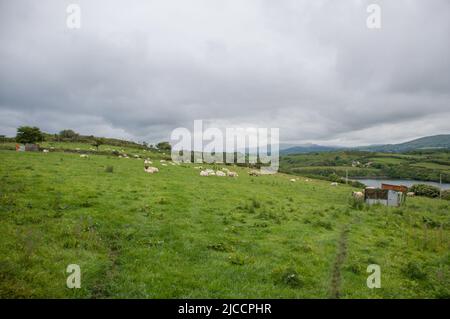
(308, 148)
(428, 142)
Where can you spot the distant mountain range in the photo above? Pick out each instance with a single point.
(307, 148)
(428, 142)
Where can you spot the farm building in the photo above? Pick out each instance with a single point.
(27, 148)
(397, 188)
(387, 197)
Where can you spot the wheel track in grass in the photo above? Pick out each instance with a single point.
(337, 265)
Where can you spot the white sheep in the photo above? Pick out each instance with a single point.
(293, 180)
(45, 151)
(358, 195)
(151, 170)
(232, 174)
(220, 173)
(204, 173)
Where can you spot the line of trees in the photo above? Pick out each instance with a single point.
(32, 135)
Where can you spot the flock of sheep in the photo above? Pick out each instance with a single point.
(223, 172)
(358, 195)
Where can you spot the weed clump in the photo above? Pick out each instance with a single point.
(109, 169)
(237, 259)
(162, 201)
(255, 203)
(414, 271)
(288, 277)
(222, 247)
(324, 224)
(355, 203)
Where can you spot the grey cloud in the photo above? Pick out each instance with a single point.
(311, 68)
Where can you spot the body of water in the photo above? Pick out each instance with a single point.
(406, 182)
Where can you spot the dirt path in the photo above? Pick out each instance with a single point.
(340, 258)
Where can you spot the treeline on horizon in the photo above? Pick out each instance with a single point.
(28, 134)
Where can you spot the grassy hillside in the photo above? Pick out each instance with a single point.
(176, 234)
(429, 142)
(421, 165)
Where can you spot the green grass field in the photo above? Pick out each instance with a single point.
(176, 234)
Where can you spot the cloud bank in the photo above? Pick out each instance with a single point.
(137, 70)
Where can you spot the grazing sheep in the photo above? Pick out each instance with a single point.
(410, 194)
(358, 195)
(334, 184)
(204, 173)
(232, 174)
(147, 163)
(254, 173)
(45, 151)
(151, 170)
(162, 161)
(136, 156)
(208, 172)
(164, 164)
(84, 156)
(293, 180)
(220, 173)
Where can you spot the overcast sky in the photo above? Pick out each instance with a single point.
(139, 69)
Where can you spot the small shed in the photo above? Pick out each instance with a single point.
(397, 188)
(27, 148)
(385, 197)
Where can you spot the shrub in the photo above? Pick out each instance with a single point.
(357, 184)
(446, 194)
(425, 190)
(26, 134)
